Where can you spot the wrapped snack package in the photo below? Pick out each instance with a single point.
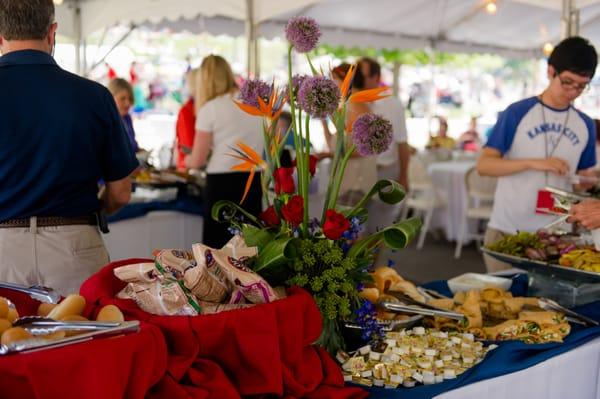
(206, 281)
(138, 272)
(229, 264)
(165, 297)
(174, 262)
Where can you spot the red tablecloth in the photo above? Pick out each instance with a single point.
(262, 350)
(120, 367)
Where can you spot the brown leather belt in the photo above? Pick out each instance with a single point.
(48, 221)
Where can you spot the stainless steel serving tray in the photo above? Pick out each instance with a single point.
(550, 269)
(36, 344)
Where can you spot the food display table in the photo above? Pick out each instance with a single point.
(139, 228)
(449, 178)
(120, 367)
(519, 370)
(262, 350)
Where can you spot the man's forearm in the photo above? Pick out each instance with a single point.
(496, 167)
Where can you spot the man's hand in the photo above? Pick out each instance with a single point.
(554, 165)
(587, 213)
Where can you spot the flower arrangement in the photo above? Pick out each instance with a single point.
(327, 256)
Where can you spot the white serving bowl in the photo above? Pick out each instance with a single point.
(477, 281)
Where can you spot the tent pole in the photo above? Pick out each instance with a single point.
(569, 21)
(252, 40)
(78, 37)
(396, 78)
(114, 46)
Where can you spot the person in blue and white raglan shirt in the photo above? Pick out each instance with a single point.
(538, 142)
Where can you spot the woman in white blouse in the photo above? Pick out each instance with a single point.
(220, 124)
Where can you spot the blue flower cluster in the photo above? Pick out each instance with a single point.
(366, 317)
(351, 234)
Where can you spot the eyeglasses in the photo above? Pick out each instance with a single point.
(568, 84)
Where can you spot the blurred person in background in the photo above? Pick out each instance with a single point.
(185, 128)
(122, 92)
(220, 124)
(469, 140)
(441, 139)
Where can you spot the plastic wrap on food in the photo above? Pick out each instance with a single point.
(211, 308)
(166, 298)
(137, 273)
(174, 262)
(252, 286)
(207, 281)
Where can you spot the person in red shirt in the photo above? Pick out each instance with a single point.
(185, 127)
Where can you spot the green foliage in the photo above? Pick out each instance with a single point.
(322, 269)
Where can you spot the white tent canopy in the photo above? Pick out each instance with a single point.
(519, 28)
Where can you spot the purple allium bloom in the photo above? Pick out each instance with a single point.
(297, 81)
(303, 33)
(318, 96)
(372, 134)
(254, 88)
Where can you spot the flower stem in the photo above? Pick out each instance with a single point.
(306, 174)
(340, 176)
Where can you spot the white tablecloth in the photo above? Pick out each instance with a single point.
(574, 374)
(449, 178)
(138, 237)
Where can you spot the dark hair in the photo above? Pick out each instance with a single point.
(341, 70)
(574, 54)
(374, 67)
(25, 19)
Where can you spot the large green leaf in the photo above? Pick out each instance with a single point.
(396, 236)
(277, 253)
(256, 236)
(225, 212)
(389, 191)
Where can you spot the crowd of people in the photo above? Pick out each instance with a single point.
(62, 134)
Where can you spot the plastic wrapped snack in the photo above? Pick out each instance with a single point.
(174, 262)
(136, 273)
(206, 281)
(165, 297)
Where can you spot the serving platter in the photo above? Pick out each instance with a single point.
(546, 268)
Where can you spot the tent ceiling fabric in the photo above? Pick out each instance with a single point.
(98, 14)
(519, 28)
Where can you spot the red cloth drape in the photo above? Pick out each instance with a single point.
(120, 367)
(262, 350)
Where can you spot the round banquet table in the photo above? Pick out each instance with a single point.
(449, 179)
(125, 366)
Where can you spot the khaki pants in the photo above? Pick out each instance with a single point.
(59, 257)
(492, 264)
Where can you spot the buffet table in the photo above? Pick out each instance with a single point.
(449, 178)
(517, 370)
(139, 228)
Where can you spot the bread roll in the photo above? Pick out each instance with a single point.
(4, 325)
(73, 317)
(15, 334)
(370, 294)
(12, 315)
(384, 277)
(71, 305)
(3, 308)
(45, 308)
(54, 335)
(110, 313)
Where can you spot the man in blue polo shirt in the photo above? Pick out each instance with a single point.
(59, 135)
(540, 141)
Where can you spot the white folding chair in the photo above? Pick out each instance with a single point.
(480, 197)
(422, 198)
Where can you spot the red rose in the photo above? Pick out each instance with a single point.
(312, 164)
(284, 182)
(335, 225)
(293, 211)
(270, 217)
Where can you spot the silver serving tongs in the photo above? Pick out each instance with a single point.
(549, 304)
(430, 311)
(40, 325)
(42, 294)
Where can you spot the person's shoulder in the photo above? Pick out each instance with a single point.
(585, 117)
(523, 105)
(84, 84)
